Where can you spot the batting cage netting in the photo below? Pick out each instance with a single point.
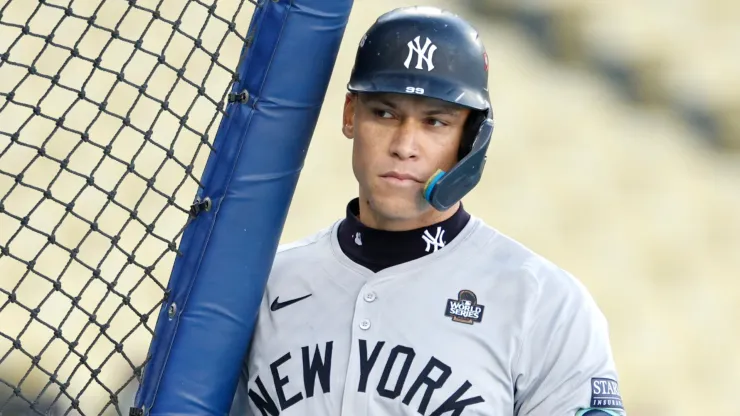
(108, 110)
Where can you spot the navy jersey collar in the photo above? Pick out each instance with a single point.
(379, 249)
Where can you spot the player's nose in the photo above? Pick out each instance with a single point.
(405, 140)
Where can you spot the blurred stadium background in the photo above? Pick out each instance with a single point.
(616, 154)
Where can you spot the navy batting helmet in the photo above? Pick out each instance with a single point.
(433, 53)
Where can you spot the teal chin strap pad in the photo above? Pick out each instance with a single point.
(432, 182)
(445, 189)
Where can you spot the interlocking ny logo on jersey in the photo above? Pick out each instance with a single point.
(436, 241)
(423, 54)
(465, 308)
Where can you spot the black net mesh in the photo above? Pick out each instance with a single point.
(108, 110)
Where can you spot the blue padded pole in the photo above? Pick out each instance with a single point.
(217, 284)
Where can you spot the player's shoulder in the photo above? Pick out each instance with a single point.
(308, 243)
(515, 259)
(306, 253)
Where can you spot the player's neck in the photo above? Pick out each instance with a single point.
(372, 219)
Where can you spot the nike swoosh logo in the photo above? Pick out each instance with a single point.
(280, 305)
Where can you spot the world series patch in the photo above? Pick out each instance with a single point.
(465, 309)
(605, 394)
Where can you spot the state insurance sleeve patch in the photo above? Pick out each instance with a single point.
(605, 394)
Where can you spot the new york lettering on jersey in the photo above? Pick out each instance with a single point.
(420, 390)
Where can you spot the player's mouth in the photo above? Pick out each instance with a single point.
(400, 178)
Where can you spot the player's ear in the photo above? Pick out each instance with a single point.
(348, 118)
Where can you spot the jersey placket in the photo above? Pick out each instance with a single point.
(365, 324)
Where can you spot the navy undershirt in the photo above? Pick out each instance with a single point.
(380, 249)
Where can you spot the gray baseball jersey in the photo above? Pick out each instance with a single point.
(482, 327)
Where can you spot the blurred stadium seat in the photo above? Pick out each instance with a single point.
(680, 55)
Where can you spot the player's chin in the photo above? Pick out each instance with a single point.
(399, 205)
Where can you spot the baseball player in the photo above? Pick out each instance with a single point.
(411, 305)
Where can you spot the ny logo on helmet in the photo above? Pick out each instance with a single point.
(423, 54)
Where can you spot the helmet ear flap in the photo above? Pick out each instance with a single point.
(470, 132)
(444, 189)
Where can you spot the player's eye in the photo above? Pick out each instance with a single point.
(382, 113)
(436, 122)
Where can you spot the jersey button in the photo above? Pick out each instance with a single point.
(370, 297)
(365, 324)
